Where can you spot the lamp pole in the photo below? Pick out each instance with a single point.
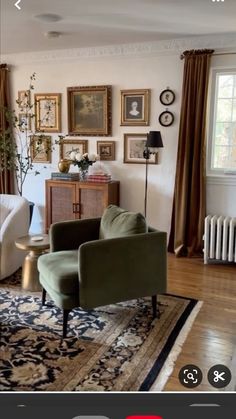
(153, 143)
(146, 155)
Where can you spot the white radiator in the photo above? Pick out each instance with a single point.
(220, 239)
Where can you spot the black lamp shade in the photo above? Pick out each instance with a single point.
(154, 140)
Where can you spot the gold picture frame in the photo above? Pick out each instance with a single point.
(89, 110)
(106, 150)
(41, 148)
(134, 146)
(24, 100)
(135, 107)
(71, 144)
(47, 112)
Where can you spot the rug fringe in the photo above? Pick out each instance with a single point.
(168, 368)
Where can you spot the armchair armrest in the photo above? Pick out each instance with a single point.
(120, 269)
(69, 235)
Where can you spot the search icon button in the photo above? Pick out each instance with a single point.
(190, 376)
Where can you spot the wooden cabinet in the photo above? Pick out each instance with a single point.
(71, 200)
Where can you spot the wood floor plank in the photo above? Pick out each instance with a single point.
(212, 339)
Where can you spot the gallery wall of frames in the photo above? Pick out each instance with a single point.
(106, 106)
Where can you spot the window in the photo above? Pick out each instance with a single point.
(222, 133)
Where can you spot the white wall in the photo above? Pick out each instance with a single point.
(123, 73)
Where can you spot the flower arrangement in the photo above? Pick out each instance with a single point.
(83, 161)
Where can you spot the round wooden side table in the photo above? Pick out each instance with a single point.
(30, 274)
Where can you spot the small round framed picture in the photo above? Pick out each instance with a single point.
(166, 118)
(167, 97)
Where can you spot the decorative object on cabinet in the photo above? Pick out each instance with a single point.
(106, 150)
(24, 99)
(64, 165)
(103, 178)
(71, 200)
(153, 143)
(167, 97)
(47, 112)
(89, 110)
(166, 118)
(40, 148)
(134, 146)
(135, 107)
(65, 176)
(83, 161)
(70, 144)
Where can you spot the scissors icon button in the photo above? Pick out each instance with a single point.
(219, 376)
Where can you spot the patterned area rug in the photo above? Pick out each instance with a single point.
(113, 348)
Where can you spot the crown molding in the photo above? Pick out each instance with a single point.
(168, 47)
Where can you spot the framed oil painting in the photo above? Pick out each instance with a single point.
(89, 110)
(40, 148)
(134, 146)
(47, 112)
(70, 144)
(106, 150)
(135, 107)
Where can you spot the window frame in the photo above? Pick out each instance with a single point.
(212, 109)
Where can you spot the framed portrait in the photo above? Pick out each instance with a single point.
(106, 150)
(24, 122)
(40, 148)
(167, 97)
(135, 107)
(166, 118)
(89, 110)
(24, 100)
(71, 144)
(134, 146)
(47, 112)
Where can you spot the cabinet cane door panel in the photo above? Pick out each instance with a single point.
(70, 200)
(91, 203)
(63, 198)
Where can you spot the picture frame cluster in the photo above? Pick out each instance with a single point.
(89, 110)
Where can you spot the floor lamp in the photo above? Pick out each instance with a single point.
(154, 142)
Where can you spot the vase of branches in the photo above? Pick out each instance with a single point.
(16, 139)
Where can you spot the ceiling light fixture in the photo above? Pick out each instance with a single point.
(48, 17)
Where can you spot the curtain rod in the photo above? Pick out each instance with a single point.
(224, 53)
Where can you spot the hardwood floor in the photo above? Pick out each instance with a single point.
(212, 339)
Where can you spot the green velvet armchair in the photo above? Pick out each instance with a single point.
(93, 264)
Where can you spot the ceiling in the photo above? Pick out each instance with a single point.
(87, 23)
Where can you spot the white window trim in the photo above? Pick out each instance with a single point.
(218, 176)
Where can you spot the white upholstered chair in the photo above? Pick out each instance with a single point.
(14, 223)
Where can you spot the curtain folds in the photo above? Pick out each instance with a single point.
(188, 212)
(6, 176)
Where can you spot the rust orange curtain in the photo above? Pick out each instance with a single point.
(6, 176)
(189, 195)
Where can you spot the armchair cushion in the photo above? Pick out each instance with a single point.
(117, 222)
(60, 269)
(4, 211)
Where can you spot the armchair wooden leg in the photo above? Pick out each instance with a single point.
(65, 321)
(154, 306)
(44, 293)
